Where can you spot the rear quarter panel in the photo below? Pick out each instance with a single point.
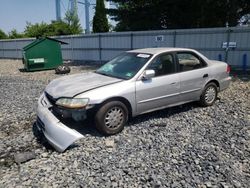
(219, 73)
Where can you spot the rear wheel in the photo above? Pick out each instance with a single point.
(209, 95)
(111, 117)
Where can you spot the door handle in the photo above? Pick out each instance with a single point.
(173, 83)
(205, 75)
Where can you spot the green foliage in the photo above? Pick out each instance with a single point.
(136, 15)
(61, 28)
(161, 14)
(100, 21)
(69, 26)
(73, 22)
(55, 28)
(13, 34)
(3, 35)
(38, 30)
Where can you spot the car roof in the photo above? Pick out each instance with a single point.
(154, 51)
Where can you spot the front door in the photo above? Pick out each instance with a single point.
(161, 90)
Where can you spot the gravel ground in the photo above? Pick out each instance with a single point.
(185, 146)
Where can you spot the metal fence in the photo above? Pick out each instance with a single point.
(227, 44)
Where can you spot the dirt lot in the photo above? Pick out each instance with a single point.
(185, 146)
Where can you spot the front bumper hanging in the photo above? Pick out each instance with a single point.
(58, 135)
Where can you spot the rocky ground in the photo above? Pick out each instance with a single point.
(185, 146)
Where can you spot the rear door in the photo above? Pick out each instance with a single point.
(161, 90)
(193, 72)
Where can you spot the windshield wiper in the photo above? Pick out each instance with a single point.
(102, 73)
(110, 75)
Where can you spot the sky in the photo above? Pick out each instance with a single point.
(15, 13)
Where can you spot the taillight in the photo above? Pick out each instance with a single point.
(228, 69)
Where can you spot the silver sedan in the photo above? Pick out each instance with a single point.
(133, 83)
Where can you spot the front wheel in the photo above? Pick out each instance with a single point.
(209, 95)
(111, 117)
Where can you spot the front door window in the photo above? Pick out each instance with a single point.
(163, 65)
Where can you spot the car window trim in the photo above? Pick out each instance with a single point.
(193, 53)
(174, 61)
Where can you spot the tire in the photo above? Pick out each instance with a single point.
(209, 95)
(62, 69)
(107, 119)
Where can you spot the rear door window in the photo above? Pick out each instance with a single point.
(189, 61)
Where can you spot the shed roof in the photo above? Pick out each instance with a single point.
(37, 41)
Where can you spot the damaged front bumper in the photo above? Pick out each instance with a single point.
(58, 135)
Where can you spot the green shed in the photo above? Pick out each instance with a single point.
(42, 54)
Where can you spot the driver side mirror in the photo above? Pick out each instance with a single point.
(148, 74)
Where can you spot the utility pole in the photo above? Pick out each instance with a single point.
(58, 10)
(86, 5)
(73, 10)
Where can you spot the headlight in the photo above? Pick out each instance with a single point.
(72, 103)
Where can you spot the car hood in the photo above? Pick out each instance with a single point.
(72, 85)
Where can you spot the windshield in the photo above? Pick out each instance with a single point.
(124, 66)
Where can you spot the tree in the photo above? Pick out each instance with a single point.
(61, 28)
(3, 35)
(38, 30)
(13, 34)
(136, 15)
(55, 28)
(73, 22)
(100, 21)
(70, 25)
(160, 14)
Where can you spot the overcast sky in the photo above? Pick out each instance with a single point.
(15, 13)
